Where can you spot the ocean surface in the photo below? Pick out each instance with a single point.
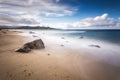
(112, 36)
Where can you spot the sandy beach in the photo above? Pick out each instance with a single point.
(49, 64)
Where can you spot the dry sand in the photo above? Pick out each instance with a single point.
(49, 65)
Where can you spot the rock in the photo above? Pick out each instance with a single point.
(24, 50)
(31, 32)
(81, 37)
(62, 45)
(36, 44)
(34, 36)
(48, 54)
(95, 46)
(62, 38)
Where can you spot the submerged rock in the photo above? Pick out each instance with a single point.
(62, 45)
(36, 44)
(32, 32)
(62, 37)
(35, 36)
(81, 37)
(95, 46)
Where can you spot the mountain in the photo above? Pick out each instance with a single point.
(25, 27)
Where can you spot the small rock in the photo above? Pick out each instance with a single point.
(29, 74)
(81, 37)
(32, 32)
(95, 46)
(34, 36)
(62, 45)
(62, 38)
(25, 70)
(48, 54)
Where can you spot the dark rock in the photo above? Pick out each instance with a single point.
(48, 54)
(62, 38)
(36, 44)
(31, 32)
(34, 36)
(24, 50)
(95, 46)
(62, 45)
(81, 37)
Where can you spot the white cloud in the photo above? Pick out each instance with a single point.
(32, 10)
(102, 21)
(57, 0)
(18, 20)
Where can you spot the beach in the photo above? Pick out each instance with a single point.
(58, 61)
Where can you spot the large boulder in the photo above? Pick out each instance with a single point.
(36, 44)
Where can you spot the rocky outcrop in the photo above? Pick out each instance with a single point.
(36, 44)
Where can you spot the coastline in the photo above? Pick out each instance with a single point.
(49, 64)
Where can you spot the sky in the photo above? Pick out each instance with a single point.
(78, 14)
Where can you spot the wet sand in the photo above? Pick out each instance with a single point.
(45, 64)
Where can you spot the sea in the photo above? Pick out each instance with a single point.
(111, 36)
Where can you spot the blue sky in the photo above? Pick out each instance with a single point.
(61, 13)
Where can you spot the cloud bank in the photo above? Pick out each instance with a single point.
(103, 21)
(29, 12)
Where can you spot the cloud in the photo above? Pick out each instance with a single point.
(18, 20)
(57, 0)
(36, 7)
(102, 21)
(31, 11)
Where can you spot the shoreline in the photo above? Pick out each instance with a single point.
(50, 64)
